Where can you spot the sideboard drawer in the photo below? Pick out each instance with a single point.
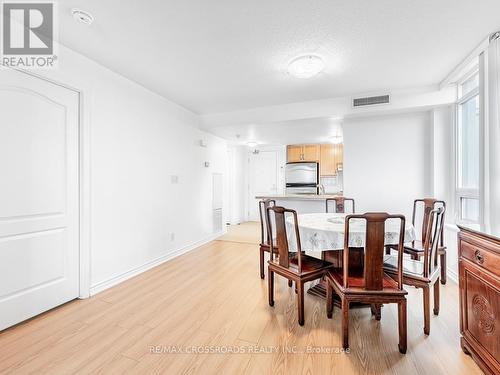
(480, 256)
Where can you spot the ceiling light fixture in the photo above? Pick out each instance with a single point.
(252, 144)
(82, 16)
(306, 66)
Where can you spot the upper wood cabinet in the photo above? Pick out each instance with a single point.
(331, 157)
(294, 153)
(303, 153)
(327, 166)
(311, 152)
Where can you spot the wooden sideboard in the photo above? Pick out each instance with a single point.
(479, 282)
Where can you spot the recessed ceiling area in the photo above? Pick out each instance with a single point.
(224, 55)
(317, 130)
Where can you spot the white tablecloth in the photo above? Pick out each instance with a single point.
(320, 232)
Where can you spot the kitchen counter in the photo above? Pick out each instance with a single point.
(299, 197)
(302, 203)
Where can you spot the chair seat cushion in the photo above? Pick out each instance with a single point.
(309, 263)
(356, 279)
(415, 247)
(410, 266)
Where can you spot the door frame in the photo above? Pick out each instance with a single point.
(84, 196)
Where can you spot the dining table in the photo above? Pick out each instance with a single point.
(322, 235)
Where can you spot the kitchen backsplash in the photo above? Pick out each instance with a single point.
(333, 184)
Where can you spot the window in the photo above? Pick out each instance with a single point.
(468, 151)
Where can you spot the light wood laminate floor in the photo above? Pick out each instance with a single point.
(212, 298)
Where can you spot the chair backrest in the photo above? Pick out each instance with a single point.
(339, 205)
(278, 239)
(426, 205)
(263, 205)
(373, 273)
(434, 232)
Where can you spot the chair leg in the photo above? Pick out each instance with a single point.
(427, 312)
(290, 283)
(345, 323)
(443, 267)
(376, 309)
(402, 326)
(329, 300)
(436, 297)
(387, 250)
(300, 291)
(262, 264)
(270, 280)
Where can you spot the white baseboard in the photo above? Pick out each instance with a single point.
(103, 285)
(452, 275)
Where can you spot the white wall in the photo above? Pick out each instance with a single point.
(386, 161)
(442, 154)
(238, 183)
(442, 141)
(138, 140)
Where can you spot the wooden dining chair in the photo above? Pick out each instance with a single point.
(370, 285)
(338, 204)
(416, 248)
(264, 238)
(423, 274)
(294, 266)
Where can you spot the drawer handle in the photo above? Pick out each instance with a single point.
(479, 257)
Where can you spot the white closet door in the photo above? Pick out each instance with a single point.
(264, 176)
(39, 251)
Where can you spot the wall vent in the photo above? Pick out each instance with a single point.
(371, 100)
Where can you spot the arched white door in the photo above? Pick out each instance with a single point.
(39, 238)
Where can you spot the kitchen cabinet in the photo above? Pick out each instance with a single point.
(297, 153)
(311, 152)
(294, 153)
(330, 158)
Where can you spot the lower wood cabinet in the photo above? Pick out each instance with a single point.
(479, 282)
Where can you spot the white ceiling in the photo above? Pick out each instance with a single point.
(317, 130)
(226, 55)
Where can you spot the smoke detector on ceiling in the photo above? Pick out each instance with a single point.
(82, 16)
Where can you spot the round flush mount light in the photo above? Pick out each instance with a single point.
(306, 66)
(82, 16)
(252, 144)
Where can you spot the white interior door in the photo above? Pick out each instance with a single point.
(39, 252)
(264, 179)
